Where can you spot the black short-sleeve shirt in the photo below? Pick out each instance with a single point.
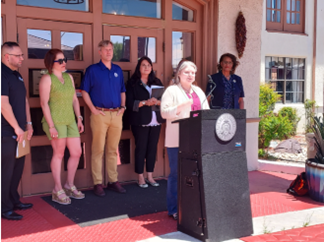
(12, 85)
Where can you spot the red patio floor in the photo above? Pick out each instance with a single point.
(312, 233)
(44, 223)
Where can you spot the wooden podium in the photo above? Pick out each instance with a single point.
(213, 187)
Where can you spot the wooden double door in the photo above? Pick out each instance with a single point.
(35, 38)
(130, 44)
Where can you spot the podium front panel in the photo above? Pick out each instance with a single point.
(219, 208)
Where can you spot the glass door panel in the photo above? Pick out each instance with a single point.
(36, 37)
(130, 44)
(146, 46)
(181, 47)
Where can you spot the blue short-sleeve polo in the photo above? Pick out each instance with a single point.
(103, 85)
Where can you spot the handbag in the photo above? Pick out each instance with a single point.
(299, 186)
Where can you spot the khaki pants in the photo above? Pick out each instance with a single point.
(106, 130)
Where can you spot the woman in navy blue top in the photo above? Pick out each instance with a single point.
(229, 92)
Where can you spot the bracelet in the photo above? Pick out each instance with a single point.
(29, 123)
(52, 127)
(80, 117)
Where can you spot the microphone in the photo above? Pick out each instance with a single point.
(211, 82)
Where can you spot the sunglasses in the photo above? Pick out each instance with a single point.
(60, 61)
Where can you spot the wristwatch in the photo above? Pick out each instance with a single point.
(80, 117)
(143, 103)
(124, 107)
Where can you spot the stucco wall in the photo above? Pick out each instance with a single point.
(249, 68)
(298, 46)
(319, 72)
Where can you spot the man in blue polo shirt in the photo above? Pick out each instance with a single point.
(103, 90)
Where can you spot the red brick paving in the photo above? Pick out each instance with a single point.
(44, 223)
(313, 233)
(268, 196)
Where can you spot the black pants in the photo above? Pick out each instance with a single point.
(146, 139)
(11, 171)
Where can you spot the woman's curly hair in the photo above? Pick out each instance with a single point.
(234, 60)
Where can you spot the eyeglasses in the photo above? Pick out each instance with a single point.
(18, 56)
(187, 73)
(60, 61)
(144, 66)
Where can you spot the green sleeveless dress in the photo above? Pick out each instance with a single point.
(61, 100)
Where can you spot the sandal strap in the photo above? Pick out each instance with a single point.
(63, 199)
(73, 188)
(60, 192)
(74, 191)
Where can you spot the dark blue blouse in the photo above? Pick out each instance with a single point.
(220, 94)
(228, 95)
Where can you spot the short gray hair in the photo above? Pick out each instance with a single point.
(104, 43)
(183, 65)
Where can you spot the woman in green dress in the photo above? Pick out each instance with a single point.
(59, 104)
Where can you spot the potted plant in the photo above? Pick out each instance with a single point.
(309, 135)
(315, 166)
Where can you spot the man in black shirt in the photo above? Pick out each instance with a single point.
(15, 118)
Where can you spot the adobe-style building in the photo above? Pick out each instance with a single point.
(292, 52)
(165, 30)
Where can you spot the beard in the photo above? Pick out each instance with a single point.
(15, 64)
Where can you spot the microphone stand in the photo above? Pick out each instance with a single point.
(212, 83)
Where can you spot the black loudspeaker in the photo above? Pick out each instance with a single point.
(213, 187)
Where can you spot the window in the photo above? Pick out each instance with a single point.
(121, 48)
(285, 15)
(39, 42)
(79, 5)
(180, 12)
(72, 45)
(139, 8)
(287, 77)
(181, 47)
(146, 46)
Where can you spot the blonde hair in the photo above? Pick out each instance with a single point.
(104, 43)
(183, 65)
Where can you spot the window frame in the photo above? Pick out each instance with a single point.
(185, 6)
(283, 26)
(285, 80)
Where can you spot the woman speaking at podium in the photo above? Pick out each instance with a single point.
(229, 92)
(177, 102)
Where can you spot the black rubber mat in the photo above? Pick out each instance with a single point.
(95, 210)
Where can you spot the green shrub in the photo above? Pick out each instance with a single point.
(271, 126)
(263, 154)
(309, 115)
(267, 99)
(291, 113)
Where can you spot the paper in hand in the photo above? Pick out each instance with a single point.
(23, 148)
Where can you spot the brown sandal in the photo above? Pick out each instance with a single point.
(65, 200)
(71, 193)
